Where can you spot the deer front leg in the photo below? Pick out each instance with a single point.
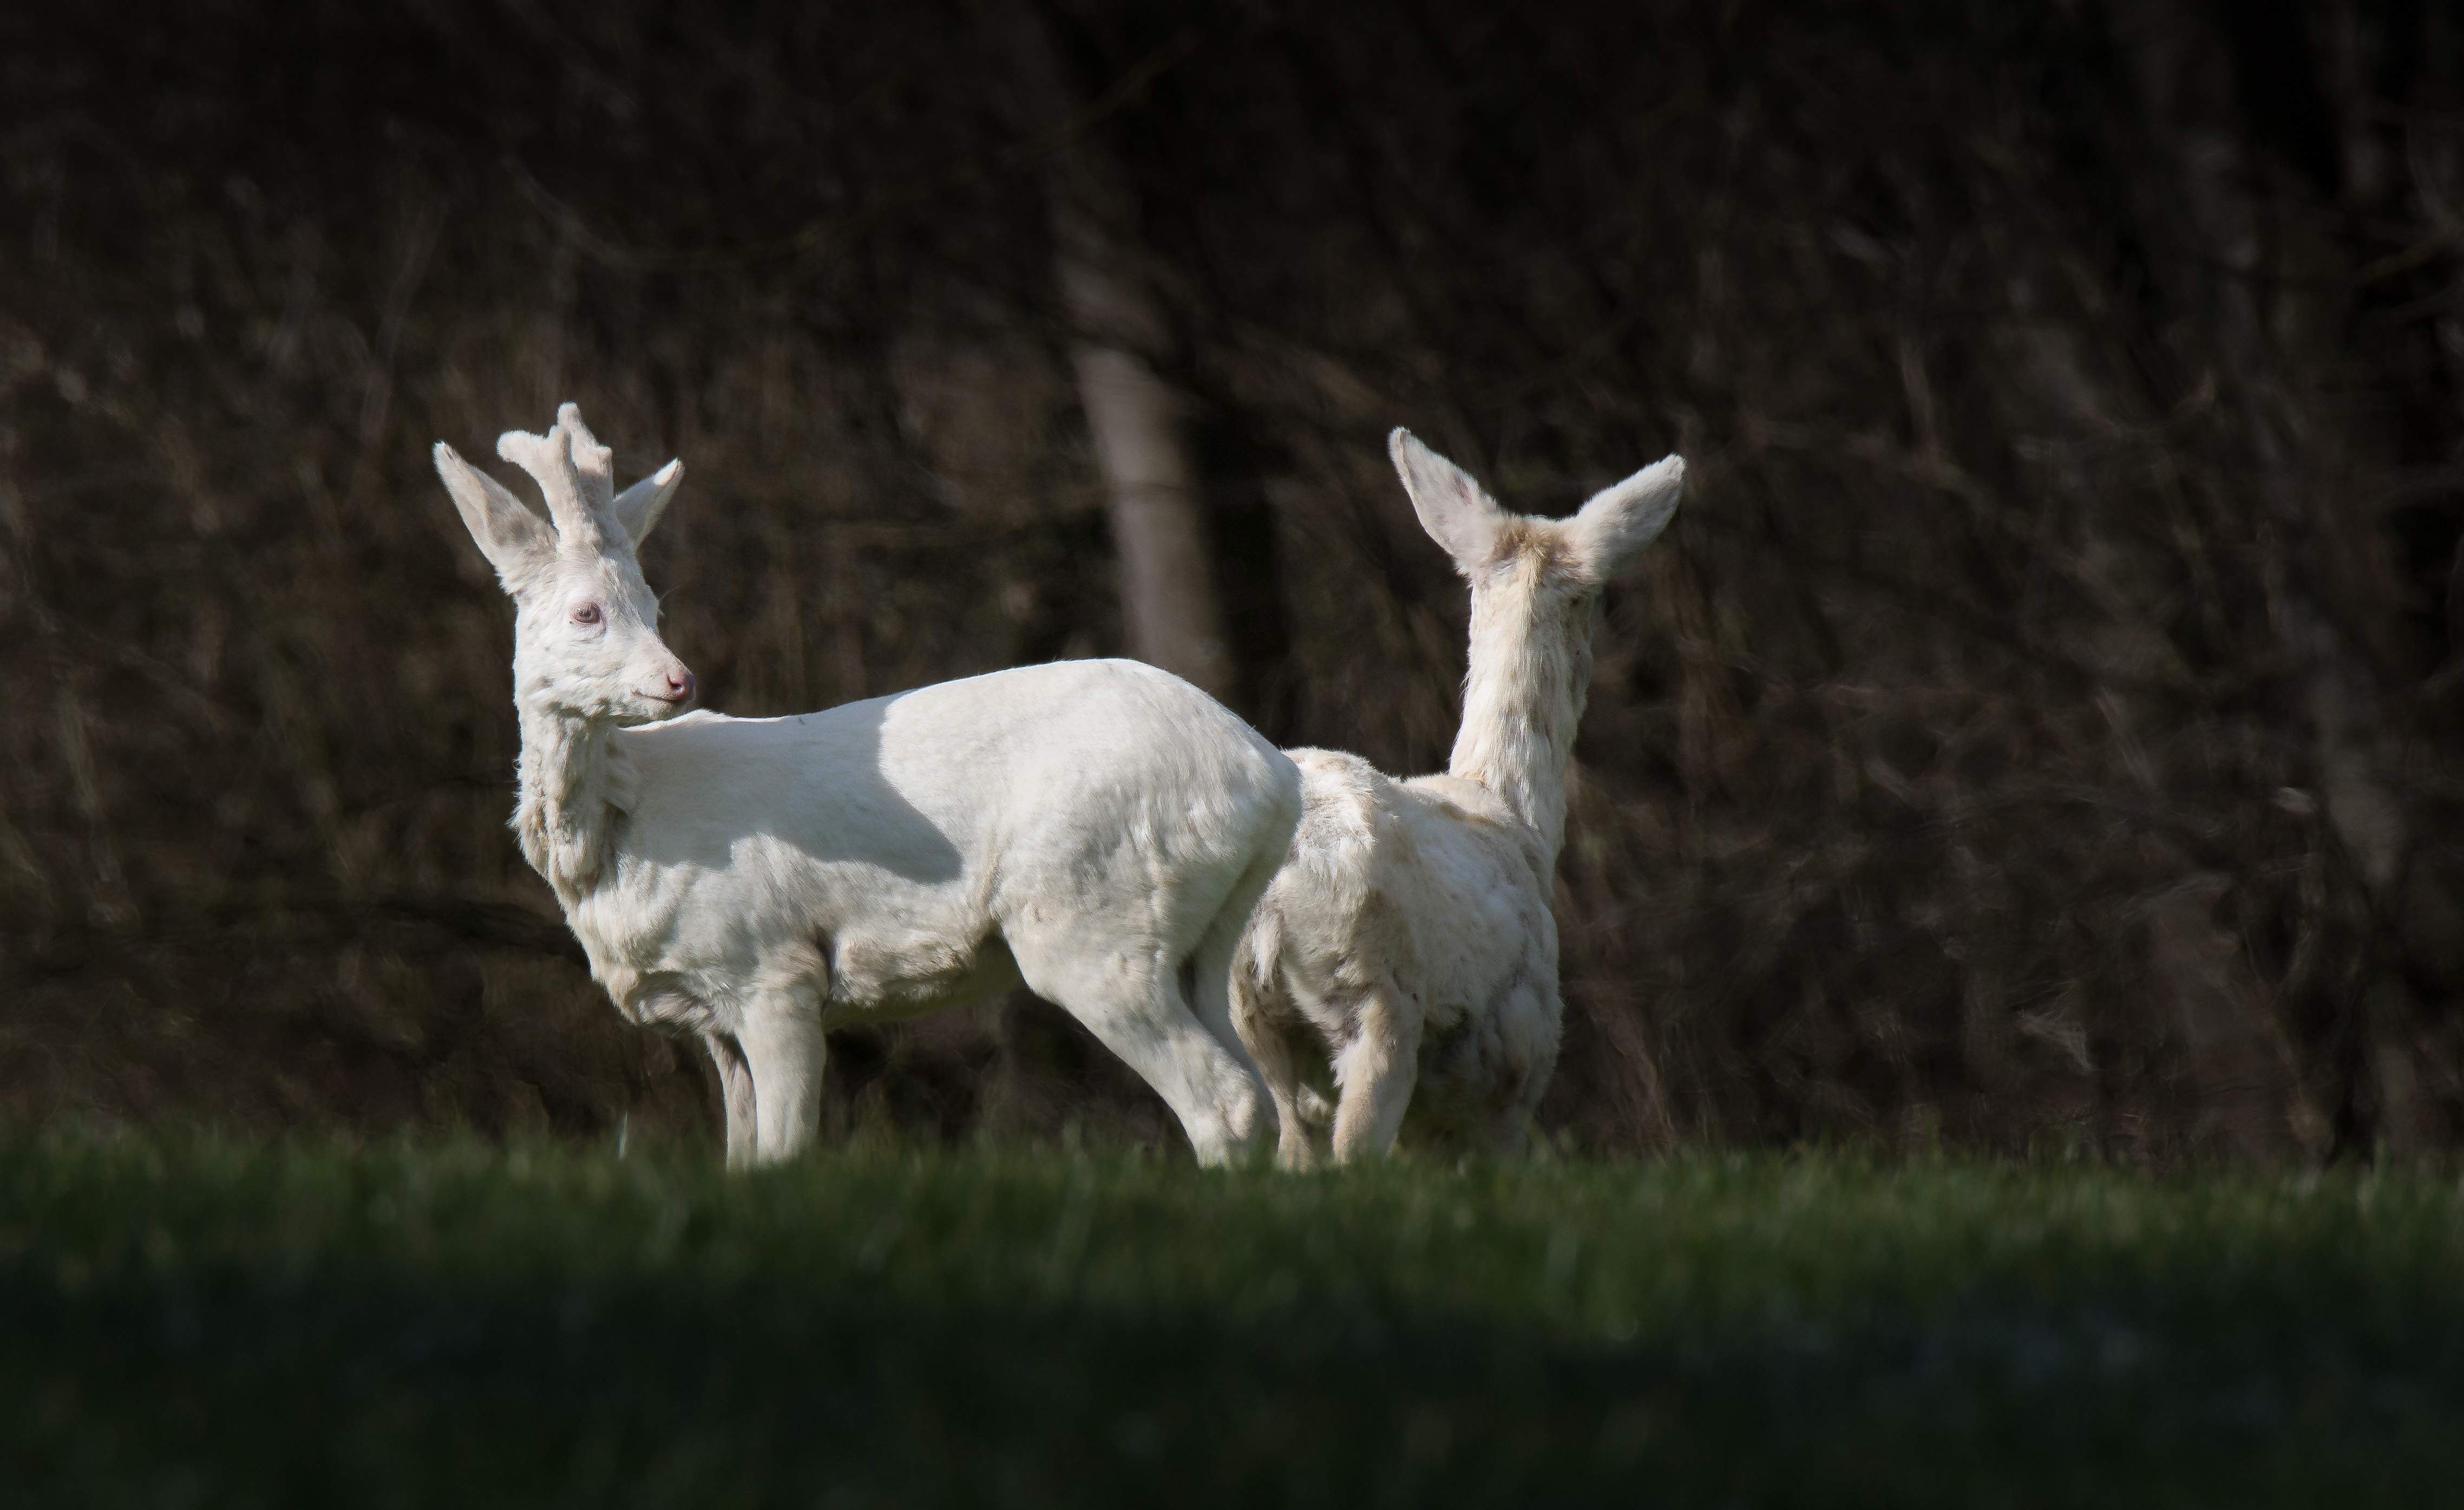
(784, 1050)
(735, 1092)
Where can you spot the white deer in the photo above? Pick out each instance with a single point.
(1095, 829)
(1409, 930)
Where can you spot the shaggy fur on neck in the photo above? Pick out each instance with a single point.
(575, 786)
(1524, 693)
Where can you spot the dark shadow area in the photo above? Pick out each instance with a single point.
(233, 1387)
(2043, 727)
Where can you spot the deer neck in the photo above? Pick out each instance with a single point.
(573, 787)
(1530, 676)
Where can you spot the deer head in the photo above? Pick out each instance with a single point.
(1560, 563)
(586, 627)
(1536, 598)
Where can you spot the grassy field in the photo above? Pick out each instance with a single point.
(195, 1322)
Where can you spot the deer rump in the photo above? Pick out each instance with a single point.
(1408, 934)
(1408, 941)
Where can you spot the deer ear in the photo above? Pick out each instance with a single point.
(516, 540)
(1455, 510)
(1619, 521)
(638, 507)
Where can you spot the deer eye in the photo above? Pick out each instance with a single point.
(587, 613)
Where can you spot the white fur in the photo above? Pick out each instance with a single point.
(1409, 929)
(1094, 830)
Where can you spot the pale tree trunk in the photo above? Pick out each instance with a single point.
(1169, 609)
(1167, 600)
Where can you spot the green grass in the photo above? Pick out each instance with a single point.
(199, 1321)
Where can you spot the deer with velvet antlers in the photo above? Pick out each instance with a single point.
(1408, 935)
(1096, 831)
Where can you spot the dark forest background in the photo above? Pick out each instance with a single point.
(2040, 729)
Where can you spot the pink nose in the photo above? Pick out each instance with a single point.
(680, 685)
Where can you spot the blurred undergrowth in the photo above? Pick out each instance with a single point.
(2039, 728)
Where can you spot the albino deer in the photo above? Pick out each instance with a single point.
(1095, 829)
(1409, 929)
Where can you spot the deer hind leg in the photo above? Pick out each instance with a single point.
(1128, 993)
(1375, 1074)
(1262, 1020)
(1529, 1024)
(1293, 1148)
(1221, 951)
(736, 1094)
(1241, 1000)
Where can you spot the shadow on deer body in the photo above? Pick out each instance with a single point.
(1095, 829)
(1408, 936)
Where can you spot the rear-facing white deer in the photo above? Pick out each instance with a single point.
(1097, 830)
(1409, 932)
